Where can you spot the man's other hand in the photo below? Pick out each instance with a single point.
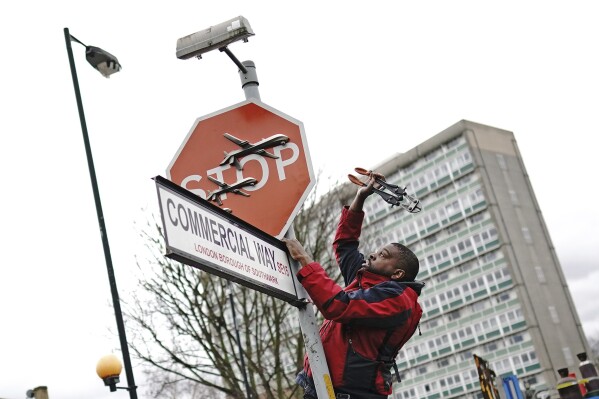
(297, 251)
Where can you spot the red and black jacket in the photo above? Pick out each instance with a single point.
(367, 322)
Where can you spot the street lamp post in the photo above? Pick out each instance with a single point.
(106, 64)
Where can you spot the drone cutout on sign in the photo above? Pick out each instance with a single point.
(216, 175)
(249, 148)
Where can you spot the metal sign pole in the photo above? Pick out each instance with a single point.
(307, 318)
(312, 342)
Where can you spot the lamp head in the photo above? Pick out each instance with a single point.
(563, 372)
(582, 356)
(102, 60)
(215, 37)
(109, 368)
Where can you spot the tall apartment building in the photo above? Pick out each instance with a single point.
(494, 285)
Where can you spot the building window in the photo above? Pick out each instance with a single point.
(540, 274)
(499, 275)
(442, 277)
(503, 297)
(526, 235)
(553, 314)
(454, 228)
(430, 240)
(452, 208)
(491, 256)
(517, 361)
(455, 142)
(409, 167)
(476, 218)
(465, 288)
(532, 380)
(466, 355)
(453, 315)
(430, 261)
(568, 355)
(517, 338)
(491, 347)
(479, 306)
(501, 162)
(442, 191)
(464, 181)
(467, 266)
(433, 154)
(513, 197)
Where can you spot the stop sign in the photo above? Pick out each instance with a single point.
(251, 159)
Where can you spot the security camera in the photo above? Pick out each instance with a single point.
(215, 37)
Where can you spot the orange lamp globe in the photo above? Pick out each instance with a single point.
(109, 366)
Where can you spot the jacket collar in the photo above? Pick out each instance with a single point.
(367, 279)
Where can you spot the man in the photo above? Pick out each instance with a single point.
(369, 320)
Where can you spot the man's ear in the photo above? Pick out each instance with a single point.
(398, 274)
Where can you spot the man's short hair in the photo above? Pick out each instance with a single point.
(407, 261)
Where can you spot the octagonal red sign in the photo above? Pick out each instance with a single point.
(251, 159)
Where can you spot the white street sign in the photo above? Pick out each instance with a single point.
(202, 235)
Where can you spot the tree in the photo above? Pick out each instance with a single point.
(183, 328)
(171, 387)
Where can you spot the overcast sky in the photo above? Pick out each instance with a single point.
(367, 79)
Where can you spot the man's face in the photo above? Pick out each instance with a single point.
(384, 262)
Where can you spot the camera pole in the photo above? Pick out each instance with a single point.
(307, 317)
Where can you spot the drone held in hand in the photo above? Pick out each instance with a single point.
(396, 196)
